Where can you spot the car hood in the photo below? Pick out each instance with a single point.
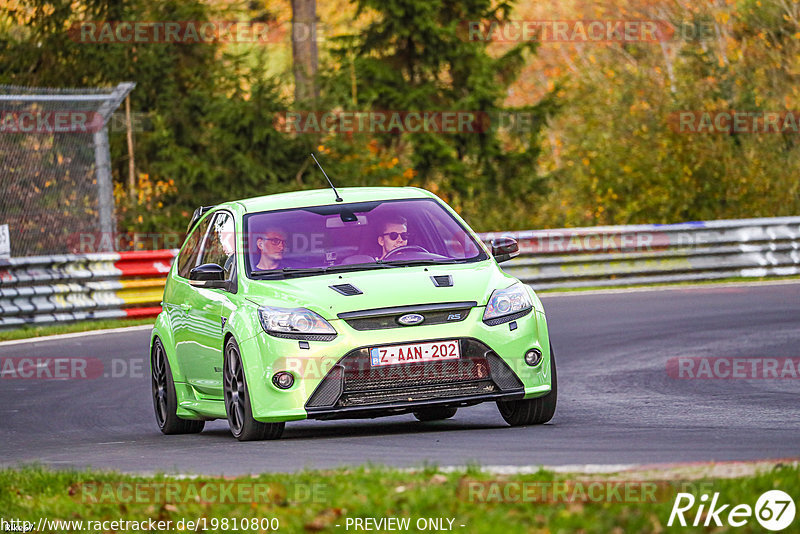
(381, 288)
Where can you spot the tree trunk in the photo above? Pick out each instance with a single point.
(304, 49)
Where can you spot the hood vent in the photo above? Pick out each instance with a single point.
(442, 280)
(348, 290)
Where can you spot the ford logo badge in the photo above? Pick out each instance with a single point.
(410, 319)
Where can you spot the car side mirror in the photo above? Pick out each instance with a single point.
(209, 275)
(504, 248)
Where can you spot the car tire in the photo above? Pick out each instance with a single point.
(436, 413)
(532, 411)
(237, 401)
(165, 400)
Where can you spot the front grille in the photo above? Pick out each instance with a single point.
(359, 375)
(355, 382)
(382, 318)
(413, 394)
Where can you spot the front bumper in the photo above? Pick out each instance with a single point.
(334, 380)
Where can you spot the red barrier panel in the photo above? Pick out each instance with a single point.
(138, 313)
(154, 263)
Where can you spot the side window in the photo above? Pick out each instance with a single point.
(219, 245)
(188, 258)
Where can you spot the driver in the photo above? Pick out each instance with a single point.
(393, 234)
(271, 245)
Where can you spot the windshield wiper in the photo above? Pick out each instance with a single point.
(379, 264)
(411, 263)
(286, 271)
(357, 267)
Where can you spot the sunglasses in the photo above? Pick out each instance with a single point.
(394, 235)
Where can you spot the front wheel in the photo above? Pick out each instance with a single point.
(237, 401)
(532, 411)
(165, 400)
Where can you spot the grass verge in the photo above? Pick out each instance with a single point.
(329, 501)
(81, 326)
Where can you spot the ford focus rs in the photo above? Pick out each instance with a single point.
(381, 302)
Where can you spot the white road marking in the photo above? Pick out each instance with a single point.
(719, 469)
(532, 469)
(57, 337)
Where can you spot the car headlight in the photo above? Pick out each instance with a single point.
(295, 323)
(507, 304)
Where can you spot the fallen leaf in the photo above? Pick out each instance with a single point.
(324, 519)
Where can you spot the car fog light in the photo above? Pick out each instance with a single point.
(533, 357)
(283, 380)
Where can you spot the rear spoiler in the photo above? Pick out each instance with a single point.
(198, 213)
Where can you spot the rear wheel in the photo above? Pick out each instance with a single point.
(532, 411)
(237, 401)
(165, 401)
(435, 413)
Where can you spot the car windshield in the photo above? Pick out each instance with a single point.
(356, 236)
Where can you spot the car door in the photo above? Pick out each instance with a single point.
(202, 349)
(179, 294)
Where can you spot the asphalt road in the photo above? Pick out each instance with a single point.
(617, 403)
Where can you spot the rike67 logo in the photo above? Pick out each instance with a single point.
(774, 510)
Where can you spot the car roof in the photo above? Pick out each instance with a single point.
(322, 197)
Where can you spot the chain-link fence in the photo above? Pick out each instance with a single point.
(55, 175)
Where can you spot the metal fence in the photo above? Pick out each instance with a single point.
(654, 253)
(55, 167)
(130, 284)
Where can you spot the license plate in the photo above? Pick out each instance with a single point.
(433, 351)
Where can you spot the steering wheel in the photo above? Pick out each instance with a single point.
(407, 248)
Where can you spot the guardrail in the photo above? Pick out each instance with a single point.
(49, 289)
(70, 287)
(655, 253)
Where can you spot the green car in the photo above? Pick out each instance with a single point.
(311, 305)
